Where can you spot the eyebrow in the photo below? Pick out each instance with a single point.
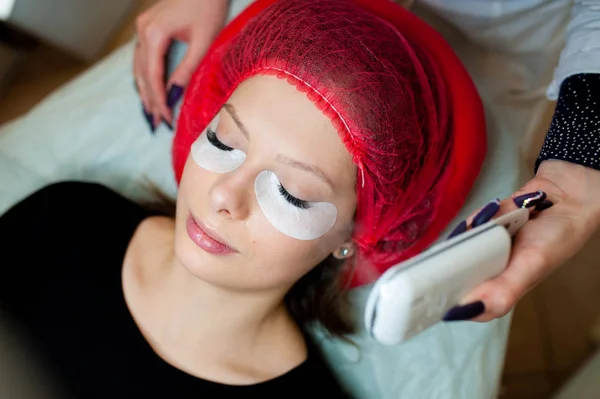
(285, 160)
(307, 168)
(236, 119)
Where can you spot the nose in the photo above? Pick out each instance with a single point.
(231, 195)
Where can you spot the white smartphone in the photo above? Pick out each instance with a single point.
(415, 294)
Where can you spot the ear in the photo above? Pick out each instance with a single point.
(344, 251)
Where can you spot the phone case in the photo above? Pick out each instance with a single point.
(414, 295)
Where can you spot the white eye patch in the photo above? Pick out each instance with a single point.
(212, 158)
(295, 222)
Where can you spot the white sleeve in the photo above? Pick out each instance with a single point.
(581, 53)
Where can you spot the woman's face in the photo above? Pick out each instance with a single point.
(268, 191)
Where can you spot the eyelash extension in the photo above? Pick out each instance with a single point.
(212, 138)
(293, 200)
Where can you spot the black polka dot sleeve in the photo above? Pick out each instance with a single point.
(574, 134)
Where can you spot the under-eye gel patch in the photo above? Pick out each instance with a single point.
(303, 224)
(210, 157)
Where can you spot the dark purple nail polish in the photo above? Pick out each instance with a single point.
(543, 205)
(174, 95)
(150, 119)
(461, 228)
(167, 124)
(465, 312)
(530, 199)
(487, 213)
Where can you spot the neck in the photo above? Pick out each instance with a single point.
(195, 313)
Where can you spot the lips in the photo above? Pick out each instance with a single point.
(207, 239)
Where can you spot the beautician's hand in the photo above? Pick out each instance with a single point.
(196, 22)
(560, 226)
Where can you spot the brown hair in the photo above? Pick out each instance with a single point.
(319, 296)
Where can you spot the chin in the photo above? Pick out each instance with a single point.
(193, 259)
(235, 271)
(226, 272)
(220, 271)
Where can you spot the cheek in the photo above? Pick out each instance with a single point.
(278, 246)
(279, 259)
(194, 186)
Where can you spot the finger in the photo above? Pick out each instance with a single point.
(536, 201)
(139, 61)
(184, 71)
(529, 263)
(527, 266)
(479, 217)
(154, 47)
(458, 230)
(142, 88)
(524, 199)
(138, 76)
(529, 200)
(543, 206)
(486, 213)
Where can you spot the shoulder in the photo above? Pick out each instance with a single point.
(70, 194)
(315, 371)
(150, 248)
(66, 196)
(69, 210)
(51, 234)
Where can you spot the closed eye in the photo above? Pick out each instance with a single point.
(298, 203)
(212, 138)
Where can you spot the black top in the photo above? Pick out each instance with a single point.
(60, 280)
(574, 134)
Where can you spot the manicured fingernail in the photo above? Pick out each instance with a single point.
(465, 312)
(174, 95)
(530, 200)
(487, 213)
(543, 205)
(461, 228)
(167, 124)
(150, 119)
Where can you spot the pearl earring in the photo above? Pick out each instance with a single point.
(344, 252)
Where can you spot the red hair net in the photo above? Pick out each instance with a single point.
(400, 99)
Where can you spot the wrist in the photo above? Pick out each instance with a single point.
(574, 134)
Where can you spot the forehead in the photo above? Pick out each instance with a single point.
(265, 95)
(288, 122)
